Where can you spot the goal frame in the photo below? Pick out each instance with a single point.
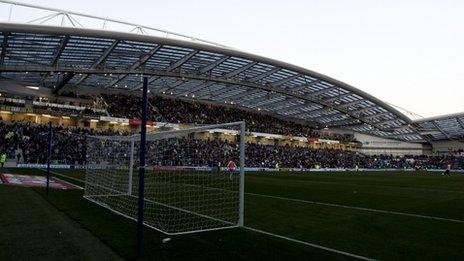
(173, 133)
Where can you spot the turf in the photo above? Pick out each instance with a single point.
(372, 234)
(119, 233)
(33, 229)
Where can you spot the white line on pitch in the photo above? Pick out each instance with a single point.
(79, 187)
(336, 205)
(64, 176)
(358, 208)
(385, 186)
(266, 233)
(309, 244)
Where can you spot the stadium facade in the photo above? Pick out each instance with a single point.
(71, 56)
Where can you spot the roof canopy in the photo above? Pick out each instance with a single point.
(445, 127)
(55, 57)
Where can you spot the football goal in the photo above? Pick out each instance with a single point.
(191, 182)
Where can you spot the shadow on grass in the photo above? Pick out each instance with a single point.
(119, 234)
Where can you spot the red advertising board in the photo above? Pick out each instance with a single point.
(139, 122)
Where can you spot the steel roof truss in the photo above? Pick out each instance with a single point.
(377, 115)
(317, 93)
(56, 55)
(182, 61)
(335, 98)
(66, 78)
(211, 94)
(461, 123)
(199, 87)
(264, 75)
(140, 85)
(285, 80)
(100, 60)
(213, 65)
(233, 95)
(276, 104)
(136, 65)
(244, 94)
(435, 123)
(240, 70)
(303, 86)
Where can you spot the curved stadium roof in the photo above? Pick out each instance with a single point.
(59, 56)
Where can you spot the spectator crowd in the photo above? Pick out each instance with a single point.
(162, 110)
(178, 111)
(54, 106)
(27, 143)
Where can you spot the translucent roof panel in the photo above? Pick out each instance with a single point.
(60, 58)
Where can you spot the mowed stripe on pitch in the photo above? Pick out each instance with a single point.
(332, 205)
(357, 208)
(278, 236)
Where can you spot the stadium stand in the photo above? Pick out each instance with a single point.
(178, 111)
(25, 142)
(56, 106)
(226, 85)
(214, 113)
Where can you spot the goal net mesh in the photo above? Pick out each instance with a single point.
(187, 187)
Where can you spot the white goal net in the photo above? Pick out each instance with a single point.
(188, 186)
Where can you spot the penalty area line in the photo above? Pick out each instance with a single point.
(359, 208)
(67, 177)
(309, 244)
(72, 184)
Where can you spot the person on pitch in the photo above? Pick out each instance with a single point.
(231, 166)
(447, 170)
(2, 159)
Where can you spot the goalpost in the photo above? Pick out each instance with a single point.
(187, 189)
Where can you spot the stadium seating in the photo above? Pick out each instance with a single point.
(177, 111)
(25, 142)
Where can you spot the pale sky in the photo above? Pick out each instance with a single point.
(407, 53)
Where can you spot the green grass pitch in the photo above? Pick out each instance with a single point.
(379, 215)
